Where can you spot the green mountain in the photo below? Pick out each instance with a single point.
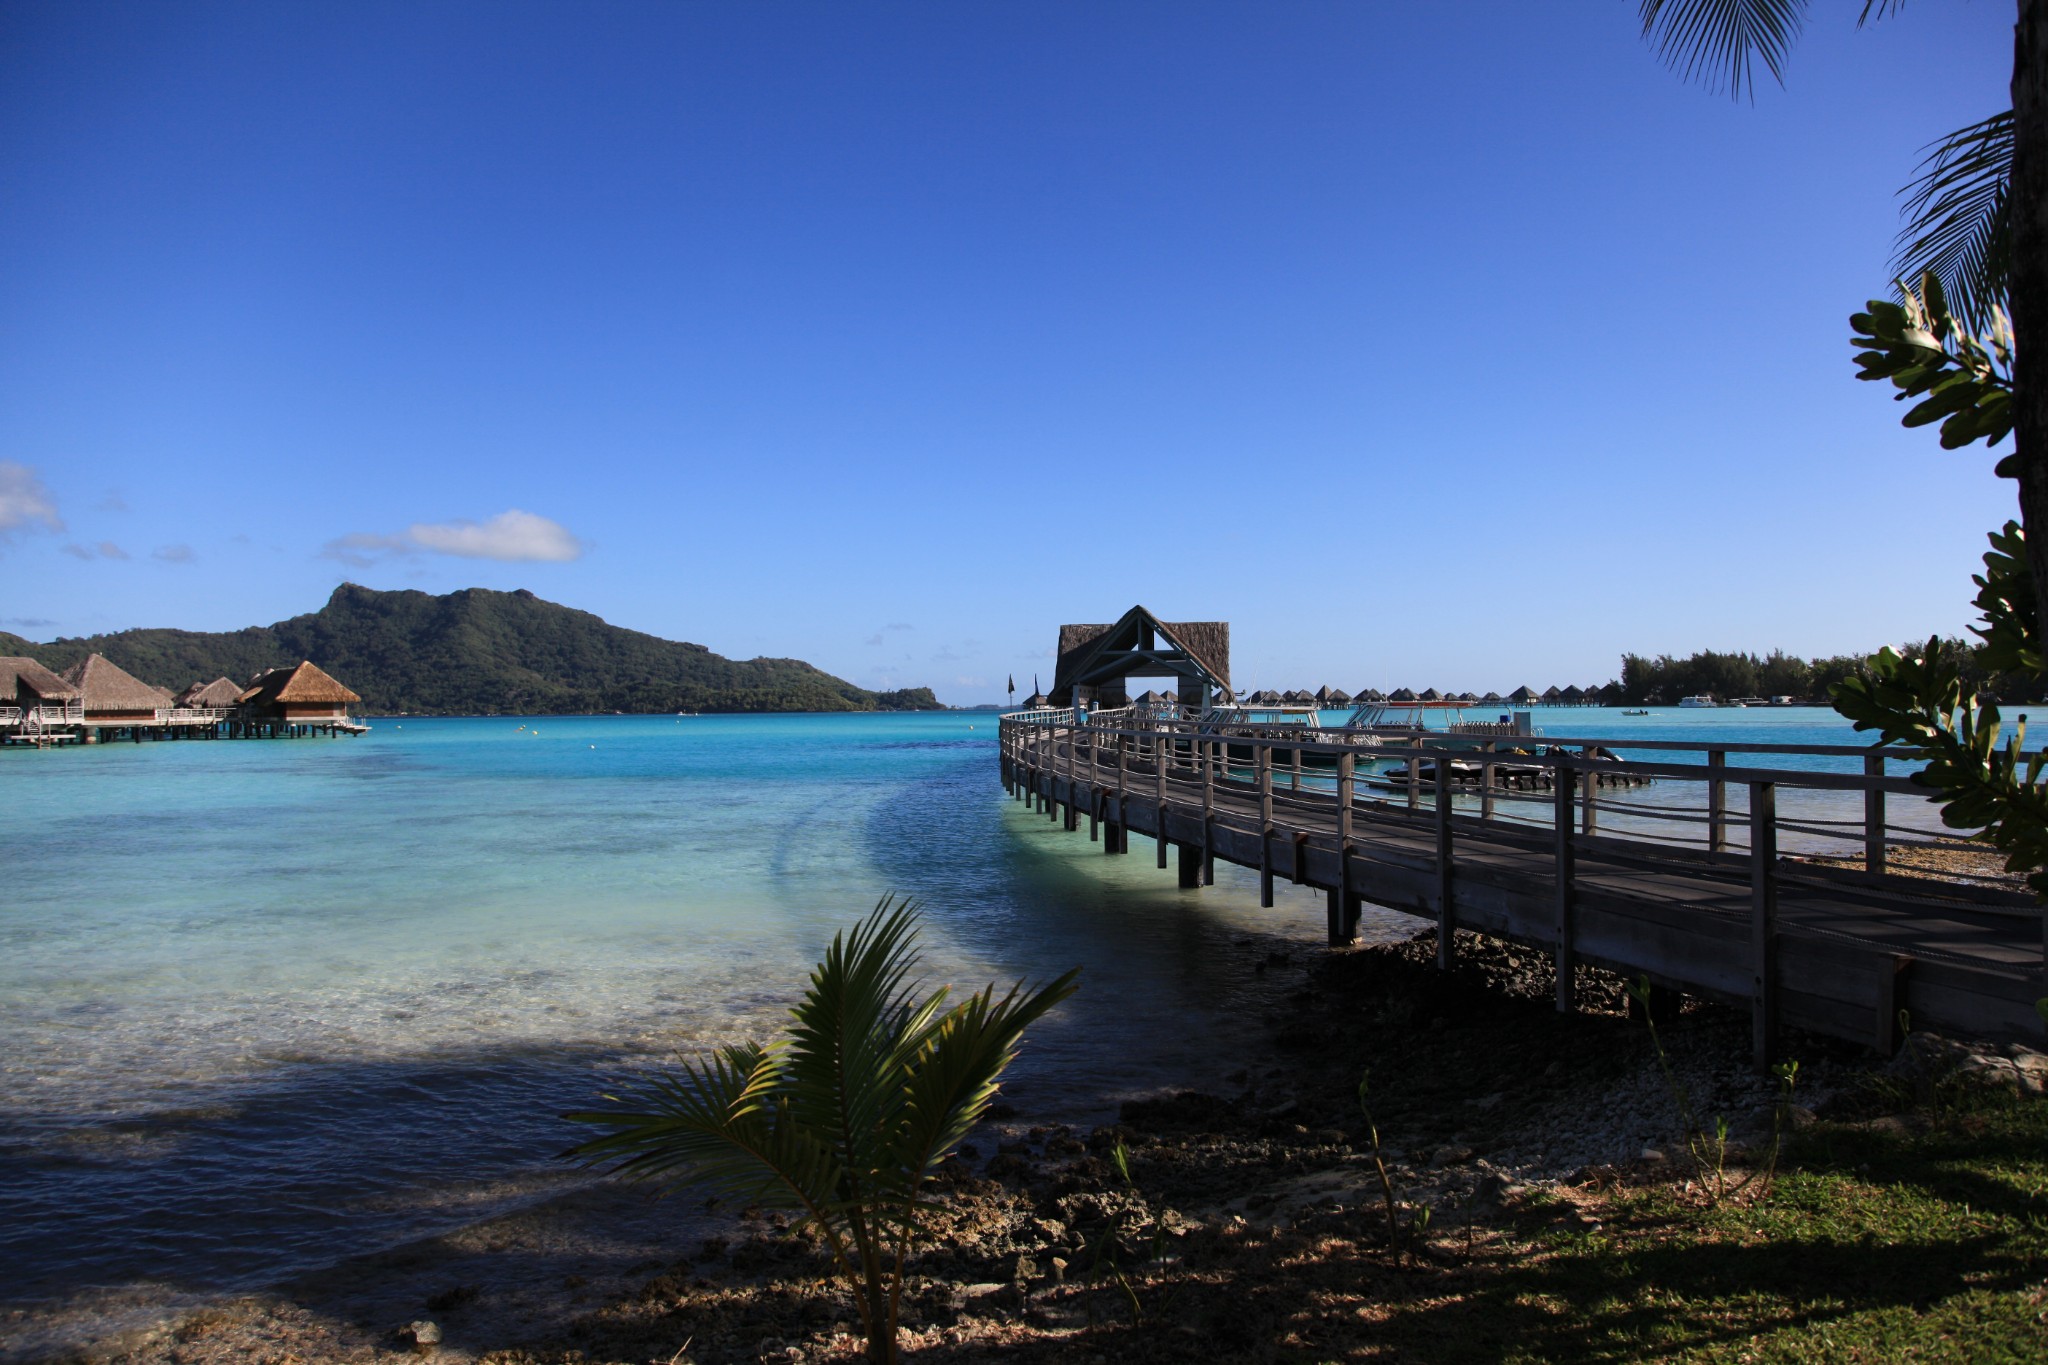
(479, 652)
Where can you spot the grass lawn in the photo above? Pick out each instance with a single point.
(1918, 1241)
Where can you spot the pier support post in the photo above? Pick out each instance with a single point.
(1343, 904)
(1717, 803)
(1262, 756)
(1207, 751)
(1190, 866)
(1565, 925)
(1763, 920)
(1446, 911)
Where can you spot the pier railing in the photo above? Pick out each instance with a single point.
(1682, 867)
(1832, 800)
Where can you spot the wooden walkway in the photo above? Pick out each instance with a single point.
(1834, 949)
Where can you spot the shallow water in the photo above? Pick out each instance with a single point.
(264, 1004)
(267, 1004)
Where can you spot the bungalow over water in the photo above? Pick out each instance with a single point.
(299, 700)
(96, 700)
(115, 699)
(34, 700)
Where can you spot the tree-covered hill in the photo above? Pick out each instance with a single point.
(479, 651)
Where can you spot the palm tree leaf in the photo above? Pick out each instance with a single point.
(844, 1070)
(955, 1074)
(1958, 220)
(1715, 41)
(720, 1123)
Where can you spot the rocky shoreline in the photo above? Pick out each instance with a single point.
(1250, 1223)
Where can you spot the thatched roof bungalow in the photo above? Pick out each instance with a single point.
(26, 683)
(114, 696)
(301, 695)
(221, 692)
(1524, 696)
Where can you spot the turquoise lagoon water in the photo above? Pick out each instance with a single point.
(267, 1004)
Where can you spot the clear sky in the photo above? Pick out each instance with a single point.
(1455, 346)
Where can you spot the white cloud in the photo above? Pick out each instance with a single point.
(24, 501)
(512, 537)
(173, 554)
(106, 549)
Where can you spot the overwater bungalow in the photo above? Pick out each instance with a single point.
(302, 697)
(216, 695)
(113, 698)
(34, 701)
(1524, 696)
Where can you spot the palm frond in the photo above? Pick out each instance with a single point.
(720, 1123)
(955, 1073)
(1716, 41)
(1958, 220)
(847, 1035)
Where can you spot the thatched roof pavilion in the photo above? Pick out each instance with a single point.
(1524, 696)
(112, 695)
(305, 692)
(24, 682)
(1095, 660)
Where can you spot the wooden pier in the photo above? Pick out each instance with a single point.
(1698, 898)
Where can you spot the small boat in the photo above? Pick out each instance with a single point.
(1635, 713)
(1704, 701)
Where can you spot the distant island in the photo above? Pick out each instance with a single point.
(479, 652)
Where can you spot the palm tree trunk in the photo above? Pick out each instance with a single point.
(2030, 285)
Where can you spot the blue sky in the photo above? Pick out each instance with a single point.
(1428, 345)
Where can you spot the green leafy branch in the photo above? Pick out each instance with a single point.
(1986, 787)
(1962, 380)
